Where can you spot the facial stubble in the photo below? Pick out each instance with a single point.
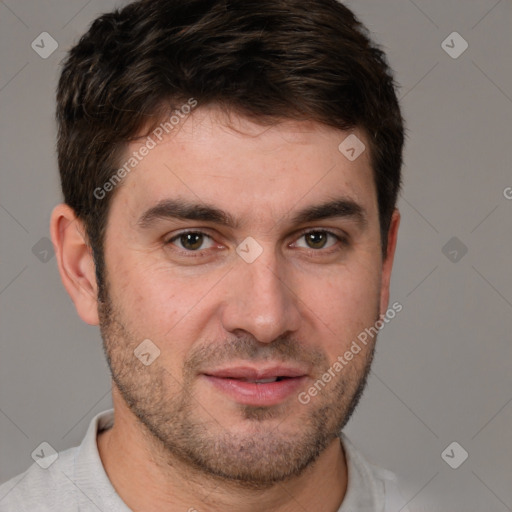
(188, 434)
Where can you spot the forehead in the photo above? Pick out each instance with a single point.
(246, 168)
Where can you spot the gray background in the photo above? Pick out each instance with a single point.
(443, 367)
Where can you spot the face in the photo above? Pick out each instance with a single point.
(220, 250)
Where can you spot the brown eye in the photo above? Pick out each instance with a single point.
(319, 239)
(316, 239)
(190, 241)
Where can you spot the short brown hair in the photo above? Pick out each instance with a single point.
(265, 59)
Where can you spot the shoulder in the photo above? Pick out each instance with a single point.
(39, 488)
(370, 487)
(71, 480)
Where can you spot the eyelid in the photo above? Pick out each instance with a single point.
(188, 232)
(342, 238)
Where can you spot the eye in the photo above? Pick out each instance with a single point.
(315, 240)
(191, 241)
(319, 239)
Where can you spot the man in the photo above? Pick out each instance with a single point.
(230, 171)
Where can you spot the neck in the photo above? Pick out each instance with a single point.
(146, 483)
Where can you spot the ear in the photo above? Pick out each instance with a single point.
(75, 262)
(387, 264)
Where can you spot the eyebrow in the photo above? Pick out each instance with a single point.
(186, 210)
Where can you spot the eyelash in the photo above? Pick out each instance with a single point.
(342, 240)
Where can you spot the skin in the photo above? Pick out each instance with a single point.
(178, 443)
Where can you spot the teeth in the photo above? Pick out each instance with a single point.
(263, 381)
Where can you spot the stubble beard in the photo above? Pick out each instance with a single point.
(184, 433)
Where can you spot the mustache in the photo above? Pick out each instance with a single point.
(283, 349)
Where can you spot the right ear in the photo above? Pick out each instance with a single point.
(75, 261)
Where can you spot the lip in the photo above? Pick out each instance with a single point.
(232, 381)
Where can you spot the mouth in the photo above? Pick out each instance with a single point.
(260, 381)
(257, 386)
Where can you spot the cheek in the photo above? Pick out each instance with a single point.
(344, 304)
(161, 305)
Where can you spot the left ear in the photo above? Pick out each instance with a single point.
(387, 264)
(75, 262)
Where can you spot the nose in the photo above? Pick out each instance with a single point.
(261, 299)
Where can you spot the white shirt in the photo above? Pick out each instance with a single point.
(76, 481)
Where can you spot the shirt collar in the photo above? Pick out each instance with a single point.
(364, 492)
